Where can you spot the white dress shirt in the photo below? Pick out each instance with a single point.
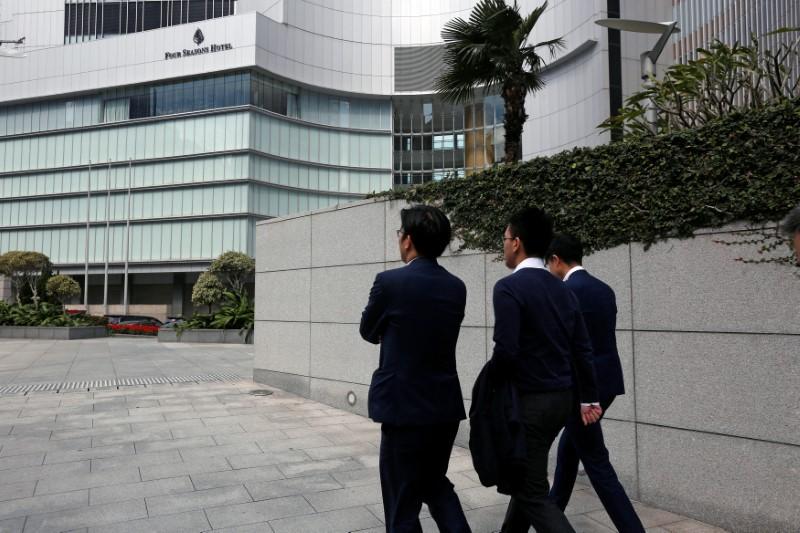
(571, 270)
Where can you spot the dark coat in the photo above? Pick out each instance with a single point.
(496, 435)
(598, 306)
(415, 313)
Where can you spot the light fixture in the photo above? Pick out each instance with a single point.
(648, 59)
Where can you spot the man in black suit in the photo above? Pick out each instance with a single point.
(585, 443)
(415, 313)
(542, 346)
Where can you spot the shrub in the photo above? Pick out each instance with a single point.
(208, 290)
(62, 288)
(233, 269)
(26, 270)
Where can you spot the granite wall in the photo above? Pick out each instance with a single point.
(710, 426)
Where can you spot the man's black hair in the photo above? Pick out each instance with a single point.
(567, 247)
(428, 228)
(534, 228)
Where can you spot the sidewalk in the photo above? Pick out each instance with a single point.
(202, 456)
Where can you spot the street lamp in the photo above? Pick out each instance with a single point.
(11, 52)
(648, 59)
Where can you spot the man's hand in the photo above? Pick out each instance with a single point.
(590, 414)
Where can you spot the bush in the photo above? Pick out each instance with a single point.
(742, 167)
(208, 290)
(45, 314)
(233, 269)
(62, 288)
(133, 329)
(27, 271)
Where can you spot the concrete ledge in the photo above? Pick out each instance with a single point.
(52, 332)
(300, 385)
(210, 336)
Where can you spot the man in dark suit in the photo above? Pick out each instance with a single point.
(542, 346)
(415, 313)
(585, 443)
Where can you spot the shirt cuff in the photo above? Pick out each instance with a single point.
(593, 404)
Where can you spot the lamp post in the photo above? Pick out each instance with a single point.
(11, 52)
(648, 59)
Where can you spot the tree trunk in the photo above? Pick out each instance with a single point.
(514, 100)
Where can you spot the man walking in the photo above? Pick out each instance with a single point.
(415, 313)
(540, 338)
(790, 226)
(585, 443)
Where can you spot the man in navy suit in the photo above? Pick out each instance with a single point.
(585, 443)
(542, 347)
(415, 313)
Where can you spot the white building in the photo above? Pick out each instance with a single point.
(156, 133)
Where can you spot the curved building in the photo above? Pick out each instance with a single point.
(147, 137)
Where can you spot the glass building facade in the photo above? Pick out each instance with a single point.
(433, 140)
(90, 20)
(192, 164)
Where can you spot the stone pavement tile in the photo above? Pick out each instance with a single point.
(583, 501)
(225, 450)
(12, 491)
(88, 452)
(486, 519)
(41, 504)
(260, 511)
(131, 437)
(337, 521)
(343, 498)
(221, 436)
(261, 527)
(140, 459)
(228, 433)
(26, 445)
(319, 467)
(331, 420)
(461, 463)
(368, 461)
(235, 477)
(477, 497)
(174, 444)
(96, 515)
(461, 481)
(52, 485)
(354, 478)
(189, 501)
(132, 419)
(267, 458)
(584, 524)
(140, 490)
(691, 526)
(301, 443)
(260, 424)
(61, 434)
(214, 464)
(649, 516)
(13, 525)
(146, 427)
(45, 471)
(194, 414)
(266, 490)
(134, 402)
(345, 450)
(191, 522)
(378, 510)
(19, 461)
(5, 429)
(31, 431)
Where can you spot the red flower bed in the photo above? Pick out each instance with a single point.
(133, 329)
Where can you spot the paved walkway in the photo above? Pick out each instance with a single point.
(201, 456)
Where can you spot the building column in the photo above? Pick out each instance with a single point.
(178, 282)
(6, 294)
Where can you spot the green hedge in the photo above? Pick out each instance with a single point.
(743, 167)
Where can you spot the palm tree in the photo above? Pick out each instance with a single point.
(491, 51)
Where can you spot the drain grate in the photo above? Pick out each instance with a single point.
(116, 382)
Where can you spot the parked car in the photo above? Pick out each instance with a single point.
(172, 321)
(134, 319)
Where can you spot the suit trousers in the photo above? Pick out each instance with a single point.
(585, 443)
(413, 468)
(543, 415)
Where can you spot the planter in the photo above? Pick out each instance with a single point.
(52, 332)
(218, 336)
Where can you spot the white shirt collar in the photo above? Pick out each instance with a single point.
(571, 270)
(531, 262)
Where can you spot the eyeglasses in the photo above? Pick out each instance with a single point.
(509, 238)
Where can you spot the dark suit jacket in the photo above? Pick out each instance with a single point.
(540, 340)
(599, 309)
(415, 313)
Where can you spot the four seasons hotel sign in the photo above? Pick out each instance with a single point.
(198, 39)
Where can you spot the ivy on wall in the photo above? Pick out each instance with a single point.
(741, 167)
